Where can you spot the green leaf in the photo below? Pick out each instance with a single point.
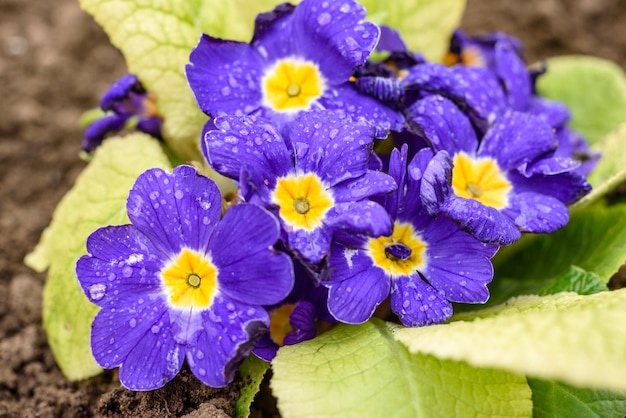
(593, 88)
(594, 240)
(252, 371)
(579, 340)
(360, 370)
(97, 199)
(425, 25)
(575, 280)
(558, 400)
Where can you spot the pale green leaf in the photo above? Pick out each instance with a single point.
(252, 371)
(593, 88)
(97, 199)
(156, 38)
(579, 340)
(360, 371)
(425, 25)
(558, 400)
(594, 240)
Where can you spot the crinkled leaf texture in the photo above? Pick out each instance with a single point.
(252, 371)
(558, 400)
(97, 199)
(156, 38)
(425, 25)
(579, 340)
(361, 371)
(593, 88)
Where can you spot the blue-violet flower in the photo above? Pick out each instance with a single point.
(300, 58)
(317, 180)
(179, 283)
(424, 264)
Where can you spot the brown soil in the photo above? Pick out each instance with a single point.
(55, 62)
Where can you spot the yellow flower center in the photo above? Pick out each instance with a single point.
(279, 323)
(292, 85)
(481, 180)
(400, 254)
(190, 280)
(303, 201)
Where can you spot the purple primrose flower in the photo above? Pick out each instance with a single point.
(179, 283)
(500, 185)
(424, 264)
(300, 58)
(128, 105)
(317, 180)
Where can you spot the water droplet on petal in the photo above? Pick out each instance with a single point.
(178, 194)
(97, 291)
(132, 323)
(324, 18)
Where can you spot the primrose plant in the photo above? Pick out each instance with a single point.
(325, 197)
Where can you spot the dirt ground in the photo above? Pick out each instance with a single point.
(55, 62)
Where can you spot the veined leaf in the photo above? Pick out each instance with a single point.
(97, 199)
(558, 400)
(360, 370)
(579, 340)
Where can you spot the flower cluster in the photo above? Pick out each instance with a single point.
(324, 228)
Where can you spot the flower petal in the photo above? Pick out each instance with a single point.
(120, 328)
(225, 76)
(356, 287)
(334, 148)
(458, 265)
(371, 183)
(517, 138)
(234, 142)
(443, 125)
(363, 108)
(364, 217)
(154, 361)
(175, 210)
(334, 35)
(534, 212)
(417, 303)
(231, 329)
(122, 262)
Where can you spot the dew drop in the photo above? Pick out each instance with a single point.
(178, 194)
(201, 372)
(225, 91)
(199, 355)
(97, 291)
(132, 323)
(324, 18)
(127, 271)
(155, 329)
(230, 306)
